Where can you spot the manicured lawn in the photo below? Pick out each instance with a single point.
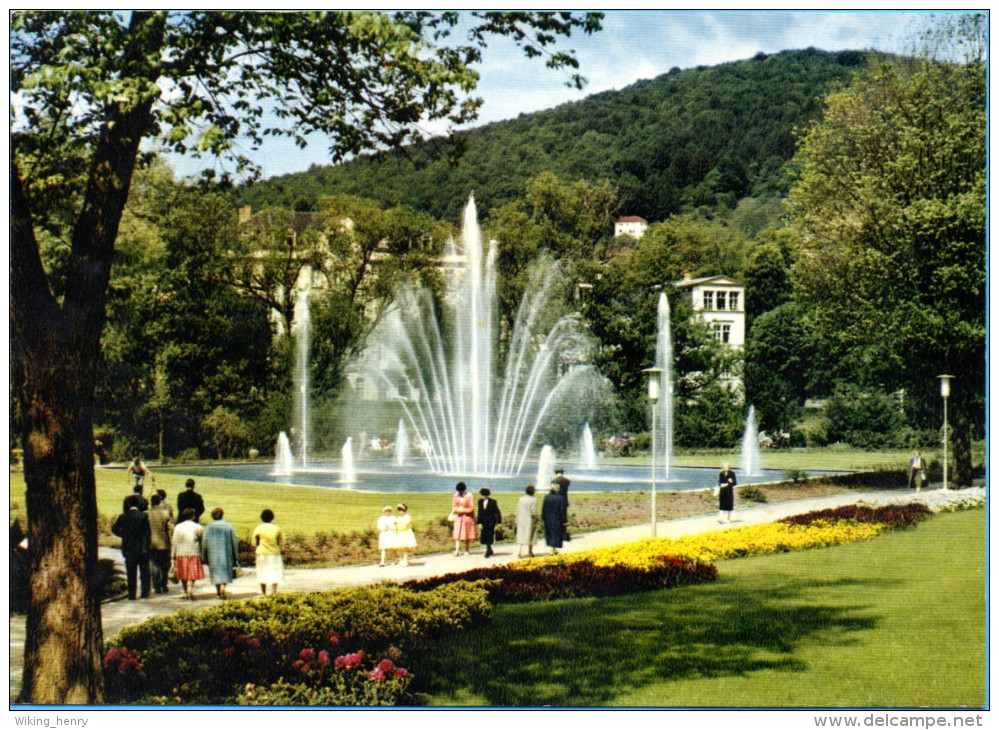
(895, 622)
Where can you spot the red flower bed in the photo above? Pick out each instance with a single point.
(895, 516)
(578, 579)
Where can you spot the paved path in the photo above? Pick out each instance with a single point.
(121, 613)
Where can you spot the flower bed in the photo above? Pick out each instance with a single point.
(894, 516)
(550, 580)
(329, 645)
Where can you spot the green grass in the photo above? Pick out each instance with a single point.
(895, 622)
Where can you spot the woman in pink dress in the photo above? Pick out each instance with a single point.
(464, 518)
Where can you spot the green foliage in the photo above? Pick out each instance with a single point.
(713, 420)
(779, 354)
(698, 139)
(861, 417)
(185, 654)
(752, 493)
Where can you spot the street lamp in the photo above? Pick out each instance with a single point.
(945, 393)
(655, 377)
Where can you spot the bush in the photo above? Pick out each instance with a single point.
(209, 656)
(578, 579)
(752, 493)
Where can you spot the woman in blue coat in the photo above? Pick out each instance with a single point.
(555, 517)
(219, 549)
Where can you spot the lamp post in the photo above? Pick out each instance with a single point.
(945, 393)
(655, 376)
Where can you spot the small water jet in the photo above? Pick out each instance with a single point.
(546, 468)
(664, 361)
(303, 326)
(347, 473)
(749, 462)
(284, 461)
(587, 452)
(401, 444)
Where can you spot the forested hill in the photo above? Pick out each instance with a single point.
(700, 137)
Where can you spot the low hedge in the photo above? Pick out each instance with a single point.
(578, 579)
(209, 656)
(894, 516)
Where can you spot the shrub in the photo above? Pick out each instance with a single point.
(752, 493)
(894, 516)
(209, 656)
(545, 581)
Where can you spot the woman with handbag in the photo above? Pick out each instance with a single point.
(185, 552)
(220, 550)
(463, 510)
(725, 491)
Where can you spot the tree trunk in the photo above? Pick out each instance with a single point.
(960, 433)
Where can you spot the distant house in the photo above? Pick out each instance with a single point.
(721, 303)
(630, 225)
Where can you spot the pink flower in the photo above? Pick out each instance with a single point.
(229, 651)
(333, 638)
(307, 654)
(376, 675)
(386, 666)
(324, 658)
(400, 673)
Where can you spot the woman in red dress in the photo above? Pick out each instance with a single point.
(464, 518)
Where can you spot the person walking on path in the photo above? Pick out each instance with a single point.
(917, 471)
(726, 493)
(185, 550)
(554, 516)
(527, 522)
(189, 499)
(164, 504)
(386, 533)
(563, 489)
(268, 539)
(464, 518)
(220, 550)
(141, 501)
(405, 538)
(488, 516)
(132, 526)
(160, 530)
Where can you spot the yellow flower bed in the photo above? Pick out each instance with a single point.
(774, 537)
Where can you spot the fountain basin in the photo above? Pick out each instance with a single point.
(382, 476)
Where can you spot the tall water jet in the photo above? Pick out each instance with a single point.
(749, 462)
(401, 444)
(284, 461)
(664, 361)
(546, 468)
(442, 370)
(347, 473)
(587, 452)
(302, 343)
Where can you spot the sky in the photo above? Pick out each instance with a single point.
(633, 45)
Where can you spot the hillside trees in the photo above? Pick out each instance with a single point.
(86, 90)
(890, 211)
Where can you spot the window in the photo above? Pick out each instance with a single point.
(722, 331)
(720, 300)
(709, 299)
(733, 301)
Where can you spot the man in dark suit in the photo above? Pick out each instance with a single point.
(189, 499)
(488, 516)
(142, 503)
(132, 526)
(563, 489)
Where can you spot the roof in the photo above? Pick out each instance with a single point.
(716, 279)
(631, 219)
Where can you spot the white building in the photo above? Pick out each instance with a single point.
(721, 302)
(630, 225)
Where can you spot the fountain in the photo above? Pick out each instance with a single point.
(348, 475)
(664, 361)
(401, 444)
(587, 453)
(441, 369)
(750, 461)
(302, 337)
(284, 461)
(546, 468)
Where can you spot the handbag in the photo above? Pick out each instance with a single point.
(452, 517)
(172, 573)
(237, 572)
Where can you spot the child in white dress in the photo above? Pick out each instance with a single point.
(386, 533)
(405, 538)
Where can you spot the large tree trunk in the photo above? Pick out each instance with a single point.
(55, 351)
(960, 432)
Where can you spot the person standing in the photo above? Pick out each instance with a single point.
(563, 489)
(220, 550)
(189, 499)
(554, 516)
(726, 493)
(141, 501)
(917, 470)
(132, 526)
(386, 533)
(185, 549)
(527, 522)
(488, 516)
(405, 538)
(164, 504)
(160, 529)
(138, 471)
(268, 540)
(464, 518)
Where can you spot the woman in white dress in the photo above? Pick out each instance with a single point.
(386, 533)
(527, 522)
(405, 538)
